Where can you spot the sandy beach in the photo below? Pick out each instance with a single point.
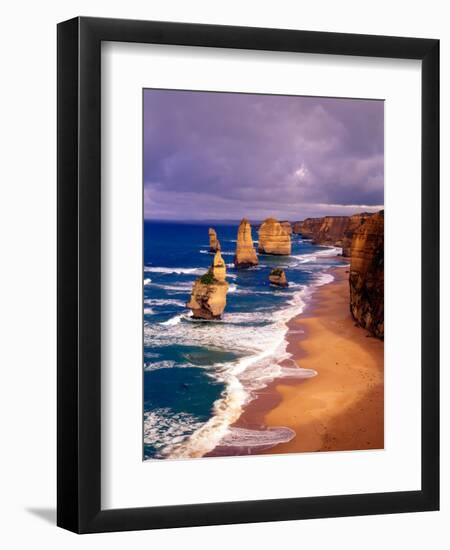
(342, 408)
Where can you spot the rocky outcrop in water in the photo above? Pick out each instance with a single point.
(287, 227)
(273, 239)
(245, 251)
(367, 275)
(214, 243)
(277, 277)
(209, 293)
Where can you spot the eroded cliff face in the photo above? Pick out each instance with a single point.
(308, 227)
(367, 274)
(273, 238)
(209, 293)
(214, 244)
(328, 230)
(245, 252)
(296, 227)
(354, 222)
(332, 230)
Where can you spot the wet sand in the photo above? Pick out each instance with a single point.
(342, 408)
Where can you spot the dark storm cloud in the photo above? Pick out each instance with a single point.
(219, 155)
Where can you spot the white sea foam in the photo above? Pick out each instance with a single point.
(324, 279)
(254, 439)
(313, 256)
(330, 251)
(164, 302)
(174, 287)
(162, 426)
(147, 281)
(148, 311)
(176, 319)
(264, 346)
(235, 241)
(167, 364)
(224, 253)
(260, 337)
(175, 270)
(156, 365)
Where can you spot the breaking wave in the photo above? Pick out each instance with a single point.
(257, 340)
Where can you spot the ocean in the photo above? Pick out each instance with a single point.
(198, 375)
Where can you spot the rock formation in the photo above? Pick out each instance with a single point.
(278, 277)
(355, 221)
(331, 230)
(245, 252)
(218, 268)
(214, 243)
(209, 293)
(287, 227)
(367, 275)
(296, 228)
(273, 238)
(308, 228)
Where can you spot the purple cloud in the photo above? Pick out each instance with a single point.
(221, 155)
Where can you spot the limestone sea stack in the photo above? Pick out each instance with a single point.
(245, 252)
(367, 275)
(287, 227)
(214, 244)
(209, 293)
(277, 277)
(273, 238)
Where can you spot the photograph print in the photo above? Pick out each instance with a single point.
(263, 274)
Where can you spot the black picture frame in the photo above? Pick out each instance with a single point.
(79, 280)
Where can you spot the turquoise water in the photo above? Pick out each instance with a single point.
(199, 374)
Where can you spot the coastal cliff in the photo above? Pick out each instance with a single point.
(331, 230)
(209, 293)
(367, 275)
(273, 238)
(245, 252)
(214, 244)
(354, 222)
(308, 227)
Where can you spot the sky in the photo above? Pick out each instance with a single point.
(225, 156)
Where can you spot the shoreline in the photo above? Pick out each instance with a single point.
(342, 407)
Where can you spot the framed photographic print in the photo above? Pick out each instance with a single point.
(248, 258)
